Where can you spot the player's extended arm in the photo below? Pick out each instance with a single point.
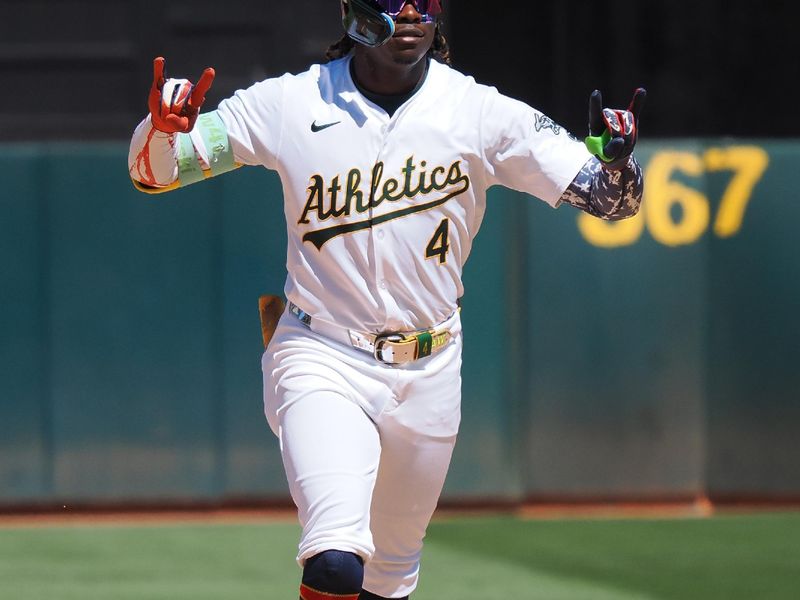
(610, 184)
(167, 150)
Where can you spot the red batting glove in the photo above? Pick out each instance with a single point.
(175, 103)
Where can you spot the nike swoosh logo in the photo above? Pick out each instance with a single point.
(315, 128)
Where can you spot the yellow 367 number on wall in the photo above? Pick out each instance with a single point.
(662, 193)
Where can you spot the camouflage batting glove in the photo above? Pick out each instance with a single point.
(613, 132)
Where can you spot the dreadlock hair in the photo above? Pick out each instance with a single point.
(440, 50)
(340, 49)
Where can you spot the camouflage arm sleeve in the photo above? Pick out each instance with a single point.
(605, 193)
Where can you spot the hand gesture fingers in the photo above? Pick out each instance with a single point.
(637, 103)
(614, 148)
(596, 124)
(201, 88)
(173, 110)
(613, 132)
(175, 103)
(158, 72)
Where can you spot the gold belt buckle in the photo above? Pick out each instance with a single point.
(381, 341)
(415, 346)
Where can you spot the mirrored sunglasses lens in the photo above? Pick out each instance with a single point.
(424, 7)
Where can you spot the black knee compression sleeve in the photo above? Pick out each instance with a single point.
(332, 573)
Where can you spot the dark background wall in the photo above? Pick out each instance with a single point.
(80, 69)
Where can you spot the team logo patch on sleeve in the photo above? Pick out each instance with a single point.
(543, 122)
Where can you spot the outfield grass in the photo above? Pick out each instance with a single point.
(752, 557)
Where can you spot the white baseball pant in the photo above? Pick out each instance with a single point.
(366, 446)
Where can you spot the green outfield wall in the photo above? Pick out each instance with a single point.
(651, 358)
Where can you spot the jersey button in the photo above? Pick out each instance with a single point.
(383, 284)
(380, 234)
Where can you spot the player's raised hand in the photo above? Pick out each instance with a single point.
(175, 103)
(613, 132)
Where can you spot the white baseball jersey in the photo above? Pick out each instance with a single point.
(381, 211)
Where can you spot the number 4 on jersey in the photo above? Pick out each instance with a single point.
(438, 246)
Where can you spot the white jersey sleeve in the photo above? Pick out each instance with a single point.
(250, 123)
(254, 124)
(527, 151)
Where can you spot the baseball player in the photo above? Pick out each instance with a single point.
(385, 154)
